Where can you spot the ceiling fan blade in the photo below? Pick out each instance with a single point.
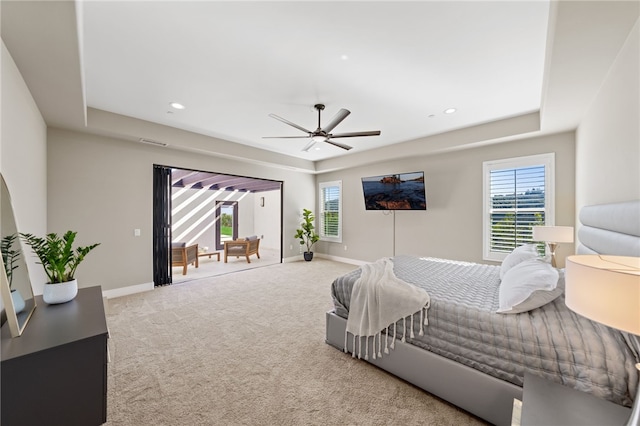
(309, 145)
(285, 137)
(338, 144)
(337, 119)
(289, 123)
(356, 134)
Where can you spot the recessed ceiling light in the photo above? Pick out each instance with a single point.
(177, 105)
(344, 57)
(450, 110)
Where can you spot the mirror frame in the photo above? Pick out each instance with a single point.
(17, 320)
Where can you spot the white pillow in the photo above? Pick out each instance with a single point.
(519, 254)
(528, 285)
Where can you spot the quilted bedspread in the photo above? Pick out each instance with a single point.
(552, 341)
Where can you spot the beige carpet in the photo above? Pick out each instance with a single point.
(248, 349)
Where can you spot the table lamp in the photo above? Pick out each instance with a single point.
(553, 235)
(606, 289)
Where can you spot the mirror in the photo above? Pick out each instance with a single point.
(17, 294)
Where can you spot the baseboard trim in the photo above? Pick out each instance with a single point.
(342, 259)
(299, 258)
(140, 288)
(125, 291)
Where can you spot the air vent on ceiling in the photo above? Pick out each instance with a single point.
(152, 142)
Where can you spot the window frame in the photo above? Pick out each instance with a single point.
(548, 161)
(321, 211)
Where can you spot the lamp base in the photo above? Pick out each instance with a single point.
(634, 419)
(552, 249)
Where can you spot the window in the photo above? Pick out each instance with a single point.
(518, 194)
(330, 217)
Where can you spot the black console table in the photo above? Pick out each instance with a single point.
(56, 372)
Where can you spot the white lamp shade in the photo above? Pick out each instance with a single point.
(553, 234)
(605, 289)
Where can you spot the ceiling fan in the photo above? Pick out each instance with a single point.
(322, 134)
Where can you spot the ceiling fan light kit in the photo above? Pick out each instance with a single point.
(323, 134)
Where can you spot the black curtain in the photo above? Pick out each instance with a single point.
(161, 225)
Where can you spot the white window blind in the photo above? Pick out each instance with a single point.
(518, 196)
(330, 216)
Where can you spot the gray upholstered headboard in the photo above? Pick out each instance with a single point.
(610, 229)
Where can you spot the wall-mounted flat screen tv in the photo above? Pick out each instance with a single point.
(404, 191)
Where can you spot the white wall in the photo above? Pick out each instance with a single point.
(246, 217)
(266, 219)
(102, 187)
(23, 158)
(608, 138)
(253, 219)
(194, 214)
(452, 225)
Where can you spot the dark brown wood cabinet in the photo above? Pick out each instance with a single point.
(56, 372)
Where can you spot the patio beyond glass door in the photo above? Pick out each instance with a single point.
(226, 222)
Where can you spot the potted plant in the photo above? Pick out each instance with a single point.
(306, 233)
(9, 259)
(60, 261)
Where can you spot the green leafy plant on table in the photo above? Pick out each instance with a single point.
(57, 255)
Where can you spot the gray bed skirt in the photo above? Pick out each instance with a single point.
(485, 396)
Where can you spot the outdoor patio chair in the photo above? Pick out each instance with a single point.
(183, 256)
(242, 247)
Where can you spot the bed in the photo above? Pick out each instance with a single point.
(476, 358)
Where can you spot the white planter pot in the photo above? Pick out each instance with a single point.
(60, 293)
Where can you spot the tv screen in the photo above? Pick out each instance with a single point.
(404, 191)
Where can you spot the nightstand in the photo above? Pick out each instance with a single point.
(547, 403)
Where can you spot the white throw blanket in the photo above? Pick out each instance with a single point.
(378, 300)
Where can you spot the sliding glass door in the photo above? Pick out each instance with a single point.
(201, 207)
(161, 225)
